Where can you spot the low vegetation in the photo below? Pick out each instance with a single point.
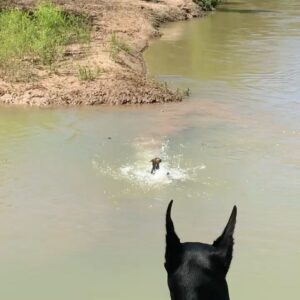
(207, 4)
(86, 73)
(116, 45)
(180, 92)
(38, 36)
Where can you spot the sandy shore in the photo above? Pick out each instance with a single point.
(123, 80)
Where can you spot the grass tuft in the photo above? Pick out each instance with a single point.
(86, 73)
(116, 45)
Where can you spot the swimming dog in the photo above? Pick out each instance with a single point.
(155, 164)
(197, 271)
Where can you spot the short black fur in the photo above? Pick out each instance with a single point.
(197, 271)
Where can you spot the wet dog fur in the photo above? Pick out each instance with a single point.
(155, 164)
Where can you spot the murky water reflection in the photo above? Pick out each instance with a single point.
(82, 218)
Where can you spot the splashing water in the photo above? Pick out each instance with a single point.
(138, 172)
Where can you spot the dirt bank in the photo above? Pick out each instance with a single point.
(122, 78)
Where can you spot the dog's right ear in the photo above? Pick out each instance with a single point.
(173, 246)
(224, 243)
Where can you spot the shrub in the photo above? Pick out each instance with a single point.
(207, 4)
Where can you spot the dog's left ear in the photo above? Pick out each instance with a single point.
(224, 243)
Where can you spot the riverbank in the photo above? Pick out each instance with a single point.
(98, 73)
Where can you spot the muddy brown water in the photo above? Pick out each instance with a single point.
(82, 218)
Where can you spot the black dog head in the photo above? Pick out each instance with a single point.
(197, 271)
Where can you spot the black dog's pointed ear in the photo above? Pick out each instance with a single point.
(173, 246)
(224, 243)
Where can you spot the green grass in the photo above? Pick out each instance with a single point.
(86, 73)
(116, 45)
(39, 36)
(207, 4)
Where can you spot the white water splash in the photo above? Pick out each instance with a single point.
(138, 172)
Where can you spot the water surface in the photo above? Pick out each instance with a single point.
(81, 217)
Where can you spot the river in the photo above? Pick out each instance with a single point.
(81, 217)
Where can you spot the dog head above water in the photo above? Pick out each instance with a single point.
(155, 164)
(197, 271)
